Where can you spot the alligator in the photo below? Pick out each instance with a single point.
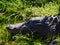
(37, 25)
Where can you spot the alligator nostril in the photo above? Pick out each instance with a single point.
(9, 28)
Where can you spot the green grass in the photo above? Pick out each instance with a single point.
(15, 11)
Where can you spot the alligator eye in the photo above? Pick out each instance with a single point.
(51, 19)
(55, 20)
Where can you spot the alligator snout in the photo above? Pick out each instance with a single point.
(10, 27)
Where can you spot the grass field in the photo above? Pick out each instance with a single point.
(16, 11)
